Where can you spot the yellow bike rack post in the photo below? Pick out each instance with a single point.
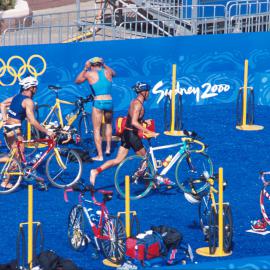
(30, 223)
(127, 216)
(172, 131)
(204, 251)
(244, 125)
(127, 212)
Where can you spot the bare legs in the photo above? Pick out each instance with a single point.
(11, 140)
(97, 116)
(108, 131)
(97, 120)
(121, 155)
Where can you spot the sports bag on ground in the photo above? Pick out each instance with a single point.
(171, 236)
(144, 246)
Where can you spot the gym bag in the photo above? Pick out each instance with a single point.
(144, 246)
(171, 236)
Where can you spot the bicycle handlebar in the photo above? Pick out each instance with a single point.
(107, 194)
(191, 140)
(80, 101)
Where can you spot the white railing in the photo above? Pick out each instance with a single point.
(152, 18)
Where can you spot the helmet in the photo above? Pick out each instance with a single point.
(28, 82)
(194, 199)
(96, 60)
(141, 87)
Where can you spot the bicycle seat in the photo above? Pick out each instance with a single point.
(105, 192)
(54, 87)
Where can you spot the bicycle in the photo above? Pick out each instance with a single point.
(53, 114)
(208, 212)
(63, 167)
(143, 170)
(261, 224)
(108, 233)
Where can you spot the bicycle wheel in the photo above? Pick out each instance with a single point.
(204, 213)
(190, 169)
(213, 231)
(227, 228)
(45, 116)
(67, 176)
(76, 228)
(140, 178)
(85, 130)
(113, 248)
(10, 172)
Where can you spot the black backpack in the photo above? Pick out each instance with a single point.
(171, 236)
(47, 260)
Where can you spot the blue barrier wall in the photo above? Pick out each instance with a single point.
(209, 68)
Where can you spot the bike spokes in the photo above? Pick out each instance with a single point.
(64, 170)
(114, 246)
(191, 170)
(140, 175)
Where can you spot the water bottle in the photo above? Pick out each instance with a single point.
(167, 161)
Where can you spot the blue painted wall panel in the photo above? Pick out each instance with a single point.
(209, 68)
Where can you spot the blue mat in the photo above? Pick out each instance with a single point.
(241, 154)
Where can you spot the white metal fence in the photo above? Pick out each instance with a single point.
(152, 18)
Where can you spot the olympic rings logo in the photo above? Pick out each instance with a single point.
(8, 68)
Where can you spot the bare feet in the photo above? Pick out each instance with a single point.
(6, 185)
(97, 158)
(93, 175)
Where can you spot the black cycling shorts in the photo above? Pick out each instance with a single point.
(131, 139)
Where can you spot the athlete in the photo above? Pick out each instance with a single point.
(99, 77)
(14, 110)
(130, 137)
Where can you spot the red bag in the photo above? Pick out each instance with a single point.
(147, 247)
(120, 125)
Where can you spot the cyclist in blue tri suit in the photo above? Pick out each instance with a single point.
(14, 110)
(130, 137)
(99, 77)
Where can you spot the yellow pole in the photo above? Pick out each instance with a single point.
(220, 212)
(244, 120)
(30, 225)
(28, 131)
(173, 97)
(127, 204)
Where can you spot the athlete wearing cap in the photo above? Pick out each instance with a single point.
(99, 77)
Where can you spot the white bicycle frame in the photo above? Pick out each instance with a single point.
(91, 223)
(182, 149)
